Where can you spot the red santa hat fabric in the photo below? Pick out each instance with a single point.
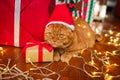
(61, 15)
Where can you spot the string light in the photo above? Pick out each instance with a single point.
(99, 53)
(106, 35)
(105, 59)
(92, 62)
(115, 52)
(13, 72)
(84, 26)
(110, 31)
(1, 48)
(89, 34)
(115, 64)
(113, 39)
(95, 51)
(96, 73)
(95, 55)
(78, 25)
(108, 77)
(2, 51)
(76, 17)
(118, 34)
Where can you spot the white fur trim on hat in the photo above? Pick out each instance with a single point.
(60, 22)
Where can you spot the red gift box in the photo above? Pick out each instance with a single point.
(38, 52)
(22, 21)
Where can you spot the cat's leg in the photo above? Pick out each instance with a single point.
(56, 56)
(66, 57)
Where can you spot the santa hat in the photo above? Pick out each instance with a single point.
(61, 15)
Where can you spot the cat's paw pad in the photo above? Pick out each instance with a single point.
(66, 58)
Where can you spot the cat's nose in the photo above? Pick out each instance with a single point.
(54, 39)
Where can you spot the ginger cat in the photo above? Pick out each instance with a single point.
(67, 42)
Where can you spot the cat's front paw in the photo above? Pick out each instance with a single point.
(66, 58)
(56, 57)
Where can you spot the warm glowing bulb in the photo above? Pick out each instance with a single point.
(113, 52)
(78, 24)
(76, 17)
(106, 35)
(88, 34)
(107, 62)
(111, 40)
(116, 44)
(84, 26)
(2, 52)
(115, 40)
(115, 64)
(31, 69)
(110, 31)
(96, 73)
(109, 43)
(111, 37)
(107, 70)
(1, 48)
(93, 73)
(107, 53)
(95, 51)
(118, 34)
(108, 77)
(92, 62)
(99, 53)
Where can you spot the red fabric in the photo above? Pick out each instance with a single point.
(33, 18)
(61, 13)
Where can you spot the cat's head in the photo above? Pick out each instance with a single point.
(58, 35)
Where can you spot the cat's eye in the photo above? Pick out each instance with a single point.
(61, 36)
(49, 34)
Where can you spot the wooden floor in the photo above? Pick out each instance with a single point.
(102, 62)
